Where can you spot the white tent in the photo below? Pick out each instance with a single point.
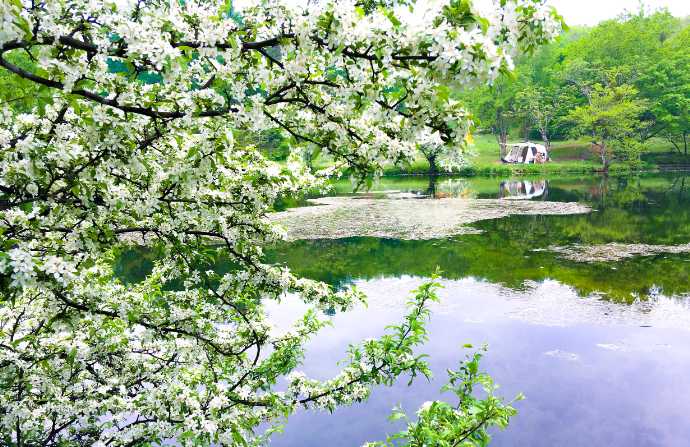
(527, 152)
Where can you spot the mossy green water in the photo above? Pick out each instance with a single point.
(652, 209)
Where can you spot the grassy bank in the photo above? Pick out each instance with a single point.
(421, 167)
(568, 157)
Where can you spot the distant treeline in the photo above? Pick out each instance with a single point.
(618, 84)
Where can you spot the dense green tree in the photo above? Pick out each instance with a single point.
(612, 119)
(627, 41)
(539, 105)
(495, 108)
(666, 83)
(649, 51)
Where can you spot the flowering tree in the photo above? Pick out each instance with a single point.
(130, 141)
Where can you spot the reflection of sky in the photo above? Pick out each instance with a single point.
(598, 376)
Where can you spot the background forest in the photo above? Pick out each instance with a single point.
(622, 89)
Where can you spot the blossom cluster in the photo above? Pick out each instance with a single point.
(130, 143)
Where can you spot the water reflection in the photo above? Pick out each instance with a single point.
(523, 189)
(590, 188)
(647, 209)
(650, 210)
(507, 261)
(594, 373)
(601, 350)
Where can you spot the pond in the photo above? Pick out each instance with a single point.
(579, 286)
(601, 348)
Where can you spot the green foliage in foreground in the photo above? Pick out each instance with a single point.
(464, 424)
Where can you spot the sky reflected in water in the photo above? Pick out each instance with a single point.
(601, 350)
(617, 380)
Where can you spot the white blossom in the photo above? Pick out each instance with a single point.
(129, 155)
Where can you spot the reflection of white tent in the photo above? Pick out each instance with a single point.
(526, 153)
(522, 189)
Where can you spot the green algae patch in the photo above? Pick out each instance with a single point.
(615, 251)
(406, 218)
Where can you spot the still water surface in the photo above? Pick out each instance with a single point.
(601, 350)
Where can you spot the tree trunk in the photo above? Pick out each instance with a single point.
(604, 157)
(501, 132)
(675, 145)
(433, 166)
(502, 138)
(525, 130)
(545, 139)
(600, 150)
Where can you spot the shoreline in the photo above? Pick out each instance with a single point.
(500, 170)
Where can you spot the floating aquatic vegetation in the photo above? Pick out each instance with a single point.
(614, 251)
(402, 218)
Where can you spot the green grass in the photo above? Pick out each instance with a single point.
(484, 160)
(567, 157)
(486, 149)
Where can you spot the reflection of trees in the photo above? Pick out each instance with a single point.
(679, 187)
(635, 192)
(654, 210)
(447, 187)
(634, 209)
(455, 187)
(637, 210)
(431, 189)
(493, 258)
